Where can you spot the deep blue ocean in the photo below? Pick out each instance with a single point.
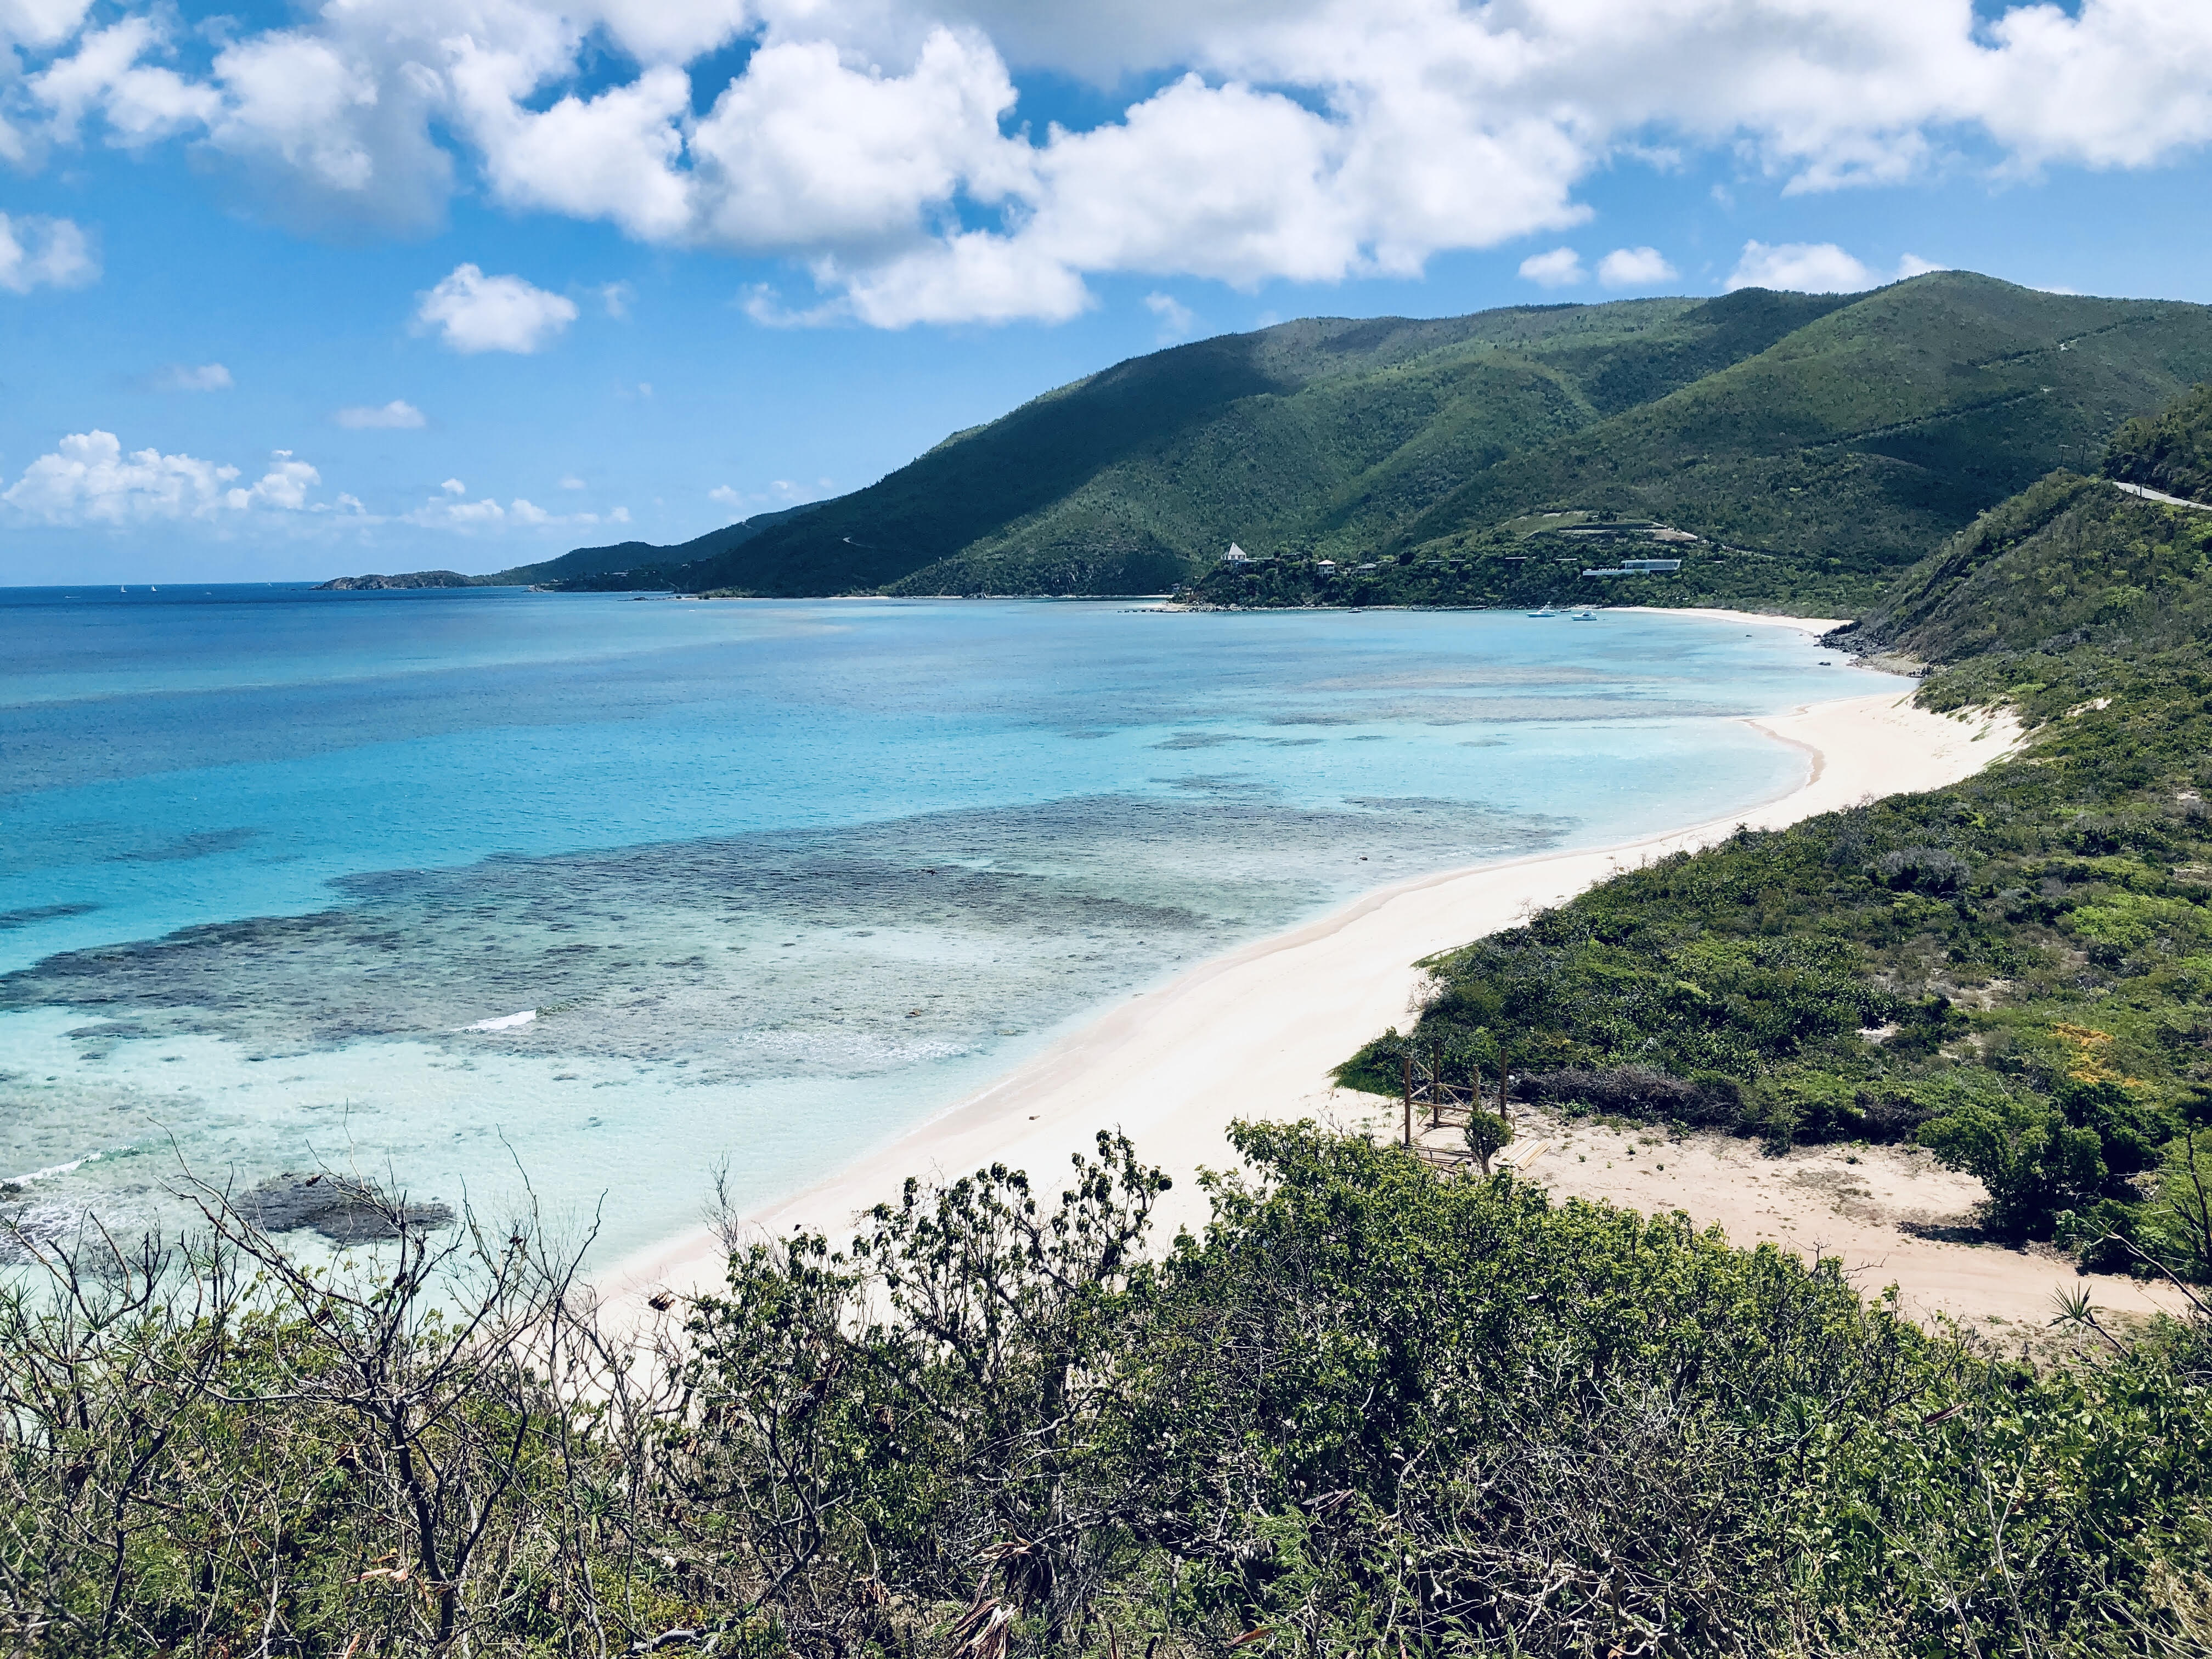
(772, 881)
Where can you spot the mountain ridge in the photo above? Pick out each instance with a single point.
(1810, 447)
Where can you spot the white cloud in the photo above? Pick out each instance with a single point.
(398, 415)
(89, 479)
(620, 515)
(187, 377)
(973, 276)
(476, 312)
(486, 511)
(40, 23)
(1806, 267)
(451, 511)
(804, 151)
(1561, 268)
(606, 157)
(1634, 267)
(1176, 319)
(1816, 268)
(334, 129)
(726, 495)
(141, 103)
(879, 142)
(285, 485)
(570, 481)
(38, 253)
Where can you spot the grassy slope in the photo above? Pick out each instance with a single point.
(1321, 433)
(2069, 562)
(1386, 427)
(1156, 464)
(1820, 467)
(2039, 936)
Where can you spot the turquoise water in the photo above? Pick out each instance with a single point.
(774, 881)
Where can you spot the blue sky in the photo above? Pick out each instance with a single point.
(633, 269)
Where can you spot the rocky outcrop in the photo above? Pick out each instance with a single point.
(342, 1210)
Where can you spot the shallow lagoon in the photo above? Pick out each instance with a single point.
(776, 880)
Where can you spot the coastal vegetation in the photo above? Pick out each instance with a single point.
(2012, 970)
(1366, 1410)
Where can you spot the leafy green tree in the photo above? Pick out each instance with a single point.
(2034, 1163)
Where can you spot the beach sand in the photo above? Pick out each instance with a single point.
(1254, 1034)
(1891, 1214)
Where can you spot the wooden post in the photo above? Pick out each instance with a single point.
(1504, 1111)
(1406, 1086)
(1435, 1082)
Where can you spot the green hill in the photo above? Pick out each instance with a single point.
(1815, 445)
(1319, 430)
(1812, 472)
(1323, 430)
(2072, 561)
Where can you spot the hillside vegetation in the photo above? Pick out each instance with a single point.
(2171, 451)
(611, 566)
(2014, 969)
(1134, 478)
(1814, 445)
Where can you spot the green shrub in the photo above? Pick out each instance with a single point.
(2034, 1163)
(1487, 1136)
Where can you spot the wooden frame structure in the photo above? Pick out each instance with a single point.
(1448, 1104)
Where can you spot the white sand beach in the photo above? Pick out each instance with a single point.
(1252, 1034)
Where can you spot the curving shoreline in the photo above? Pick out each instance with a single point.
(1255, 1032)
